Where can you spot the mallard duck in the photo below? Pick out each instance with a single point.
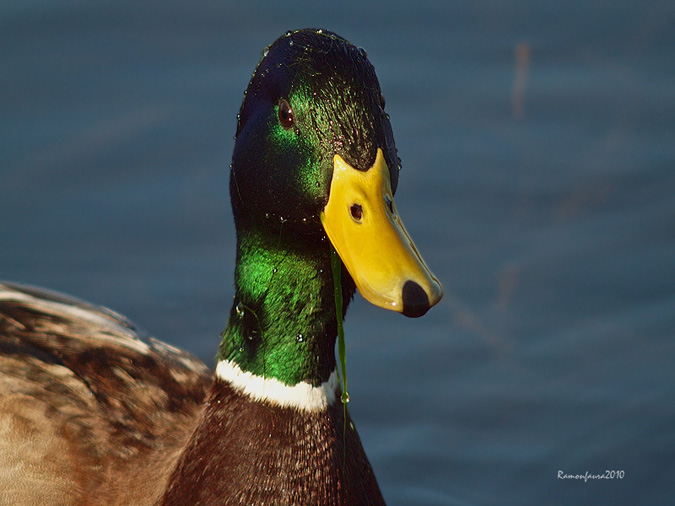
(93, 413)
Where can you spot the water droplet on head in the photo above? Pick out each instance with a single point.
(267, 216)
(290, 43)
(363, 53)
(319, 31)
(282, 219)
(289, 33)
(275, 270)
(344, 397)
(266, 51)
(299, 338)
(239, 308)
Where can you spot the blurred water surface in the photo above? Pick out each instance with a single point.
(538, 148)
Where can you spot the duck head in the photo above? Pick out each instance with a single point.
(315, 151)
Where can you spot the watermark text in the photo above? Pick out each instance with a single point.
(609, 474)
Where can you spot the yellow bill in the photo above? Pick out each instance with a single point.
(361, 221)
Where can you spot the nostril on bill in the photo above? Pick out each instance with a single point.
(357, 212)
(415, 300)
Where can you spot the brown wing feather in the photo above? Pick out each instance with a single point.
(89, 412)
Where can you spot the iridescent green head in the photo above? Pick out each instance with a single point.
(314, 163)
(315, 151)
(312, 96)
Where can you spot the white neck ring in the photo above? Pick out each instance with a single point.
(302, 396)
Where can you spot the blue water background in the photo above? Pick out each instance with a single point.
(538, 148)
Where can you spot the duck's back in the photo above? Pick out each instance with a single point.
(89, 412)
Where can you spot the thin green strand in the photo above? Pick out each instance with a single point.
(336, 265)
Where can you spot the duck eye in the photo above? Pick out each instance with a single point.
(285, 113)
